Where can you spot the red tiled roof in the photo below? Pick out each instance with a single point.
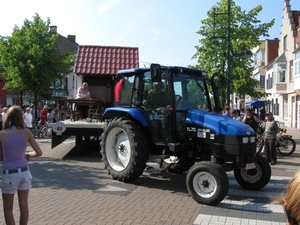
(105, 60)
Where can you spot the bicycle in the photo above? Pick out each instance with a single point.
(285, 145)
(40, 130)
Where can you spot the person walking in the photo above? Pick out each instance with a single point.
(28, 118)
(271, 130)
(16, 176)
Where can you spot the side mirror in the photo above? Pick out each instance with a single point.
(155, 72)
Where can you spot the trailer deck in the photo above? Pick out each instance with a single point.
(81, 128)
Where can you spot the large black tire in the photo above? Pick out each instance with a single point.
(207, 183)
(288, 147)
(124, 149)
(254, 179)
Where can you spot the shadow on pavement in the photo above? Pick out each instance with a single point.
(79, 172)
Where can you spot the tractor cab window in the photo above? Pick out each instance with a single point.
(190, 92)
(123, 91)
(151, 94)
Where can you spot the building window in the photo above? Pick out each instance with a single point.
(285, 43)
(291, 70)
(269, 85)
(297, 64)
(281, 73)
(262, 81)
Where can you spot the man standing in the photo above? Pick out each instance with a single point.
(4, 115)
(271, 130)
(44, 114)
(28, 118)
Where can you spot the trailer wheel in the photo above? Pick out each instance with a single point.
(207, 183)
(124, 149)
(254, 179)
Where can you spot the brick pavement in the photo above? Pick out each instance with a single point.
(77, 190)
(70, 189)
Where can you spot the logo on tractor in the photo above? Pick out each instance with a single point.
(204, 130)
(155, 117)
(191, 129)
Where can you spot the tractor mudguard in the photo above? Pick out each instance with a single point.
(134, 112)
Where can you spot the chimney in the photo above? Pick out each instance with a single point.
(53, 29)
(72, 38)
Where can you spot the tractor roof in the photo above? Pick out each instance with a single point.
(129, 72)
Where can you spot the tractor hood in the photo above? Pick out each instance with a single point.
(218, 123)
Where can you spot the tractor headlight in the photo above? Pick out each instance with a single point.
(245, 140)
(252, 139)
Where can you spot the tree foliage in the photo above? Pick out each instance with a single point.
(244, 31)
(30, 61)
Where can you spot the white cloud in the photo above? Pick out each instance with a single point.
(107, 5)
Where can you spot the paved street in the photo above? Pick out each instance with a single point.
(70, 189)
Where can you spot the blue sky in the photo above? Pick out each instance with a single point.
(163, 30)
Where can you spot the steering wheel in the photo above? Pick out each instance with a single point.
(178, 99)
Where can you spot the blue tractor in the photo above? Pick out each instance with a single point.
(167, 111)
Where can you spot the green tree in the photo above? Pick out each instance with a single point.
(225, 33)
(30, 61)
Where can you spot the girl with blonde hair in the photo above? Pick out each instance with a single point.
(16, 177)
(291, 200)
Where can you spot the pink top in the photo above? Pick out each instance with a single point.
(13, 151)
(82, 91)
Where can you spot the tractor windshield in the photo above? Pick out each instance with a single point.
(190, 92)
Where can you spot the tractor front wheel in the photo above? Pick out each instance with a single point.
(124, 149)
(207, 183)
(257, 178)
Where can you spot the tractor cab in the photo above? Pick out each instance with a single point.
(163, 95)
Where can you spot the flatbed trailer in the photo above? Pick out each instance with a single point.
(82, 129)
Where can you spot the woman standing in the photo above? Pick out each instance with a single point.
(16, 174)
(251, 120)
